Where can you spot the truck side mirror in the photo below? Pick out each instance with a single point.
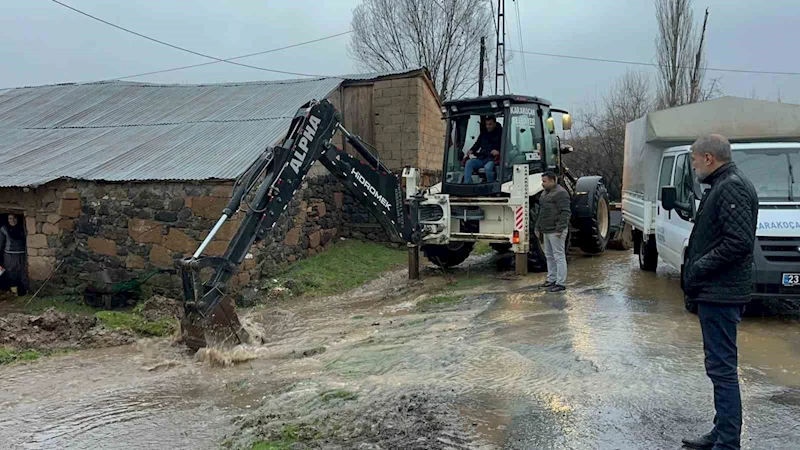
(566, 122)
(669, 196)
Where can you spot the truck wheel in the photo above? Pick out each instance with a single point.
(449, 255)
(596, 229)
(648, 255)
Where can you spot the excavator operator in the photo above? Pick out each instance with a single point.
(485, 153)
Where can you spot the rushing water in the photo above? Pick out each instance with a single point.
(613, 363)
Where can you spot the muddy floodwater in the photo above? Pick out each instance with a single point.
(613, 363)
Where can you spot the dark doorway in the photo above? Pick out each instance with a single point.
(15, 277)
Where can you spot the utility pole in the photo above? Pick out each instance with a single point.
(480, 70)
(501, 46)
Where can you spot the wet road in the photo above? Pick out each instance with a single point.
(613, 363)
(617, 363)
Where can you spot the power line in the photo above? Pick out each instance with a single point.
(519, 29)
(639, 63)
(181, 48)
(231, 59)
(207, 63)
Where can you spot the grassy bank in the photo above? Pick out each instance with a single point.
(64, 303)
(131, 320)
(344, 266)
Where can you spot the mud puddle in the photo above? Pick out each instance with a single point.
(471, 358)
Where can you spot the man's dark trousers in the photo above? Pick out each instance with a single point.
(718, 323)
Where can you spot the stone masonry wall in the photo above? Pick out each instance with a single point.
(80, 231)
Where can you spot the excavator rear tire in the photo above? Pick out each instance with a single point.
(450, 255)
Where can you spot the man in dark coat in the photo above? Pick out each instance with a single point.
(717, 277)
(12, 256)
(553, 222)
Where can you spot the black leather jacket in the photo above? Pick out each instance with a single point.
(719, 257)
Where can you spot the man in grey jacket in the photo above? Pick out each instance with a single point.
(553, 222)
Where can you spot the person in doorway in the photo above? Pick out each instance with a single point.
(717, 278)
(553, 222)
(485, 153)
(12, 256)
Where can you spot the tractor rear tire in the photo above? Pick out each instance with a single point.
(450, 255)
(596, 229)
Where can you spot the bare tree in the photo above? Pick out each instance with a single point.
(681, 55)
(599, 133)
(442, 35)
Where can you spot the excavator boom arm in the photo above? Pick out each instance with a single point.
(208, 310)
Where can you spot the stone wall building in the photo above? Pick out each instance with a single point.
(119, 180)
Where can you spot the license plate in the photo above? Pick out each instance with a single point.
(791, 279)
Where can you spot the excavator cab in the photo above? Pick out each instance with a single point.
(528, 137)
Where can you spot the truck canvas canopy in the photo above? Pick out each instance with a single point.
(738, 119)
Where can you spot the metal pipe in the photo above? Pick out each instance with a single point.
(361, 148)
(210, 236)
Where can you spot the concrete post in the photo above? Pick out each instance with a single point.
(521, 263)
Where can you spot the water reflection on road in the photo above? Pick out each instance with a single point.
(617, 362)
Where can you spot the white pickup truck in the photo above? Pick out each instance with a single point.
(765, 140)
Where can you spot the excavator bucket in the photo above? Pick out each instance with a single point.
(220, 328)
(209, 315)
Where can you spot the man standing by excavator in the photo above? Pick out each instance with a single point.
(554, 214)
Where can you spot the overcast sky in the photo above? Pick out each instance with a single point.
(42, 42)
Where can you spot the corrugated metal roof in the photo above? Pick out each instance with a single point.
(374, 75)
(126, 131)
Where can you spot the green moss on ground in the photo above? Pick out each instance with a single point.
(136, 323)
(289, 435)
(10, 355)
(338, 394)
(482, 248)
(344, 266)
